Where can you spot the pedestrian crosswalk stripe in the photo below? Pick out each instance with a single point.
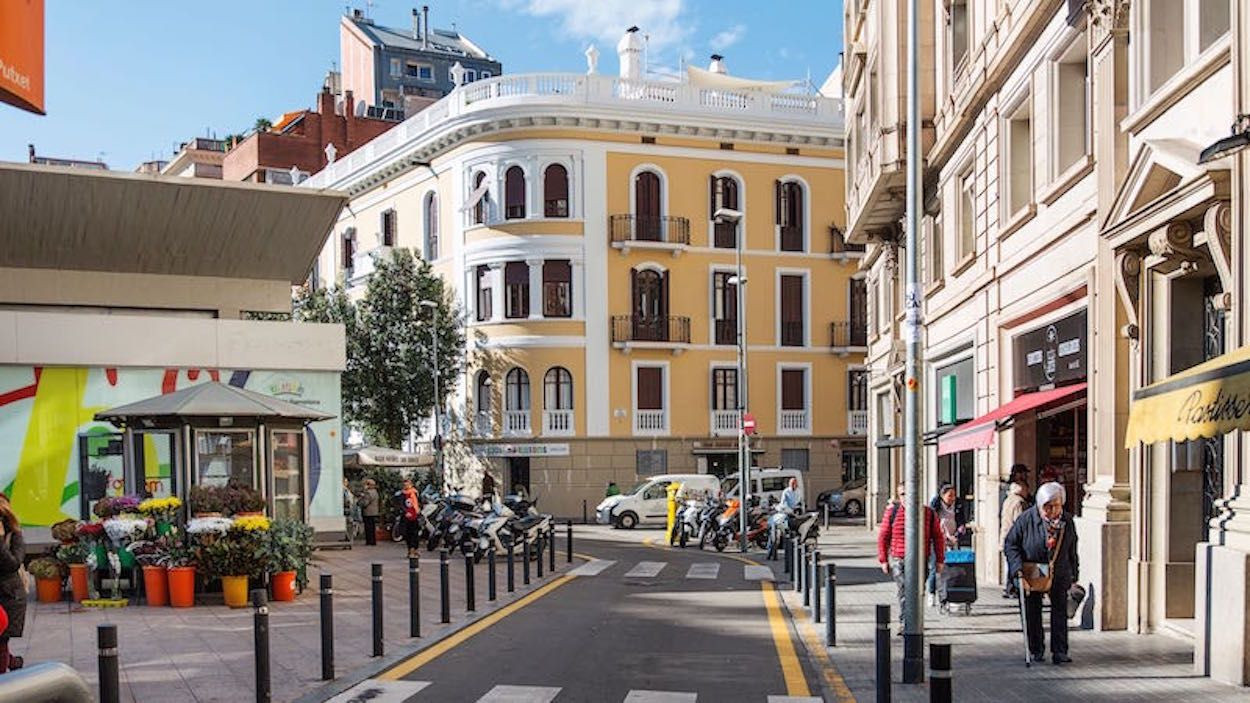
(752, 572)
(646, 569)
(520, 694)
(660, 697)
(594, 567)
(703, 570)
(793, 699)
(376, 691)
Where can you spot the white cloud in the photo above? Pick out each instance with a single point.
(604, 21)
(727, 38)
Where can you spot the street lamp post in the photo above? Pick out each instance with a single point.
(739, 281)
(437, 441)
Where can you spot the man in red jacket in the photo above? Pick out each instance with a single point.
(892, 543)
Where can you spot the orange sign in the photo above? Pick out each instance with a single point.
(21, 54)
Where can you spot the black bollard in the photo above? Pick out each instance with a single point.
(551, 550)
(883, 654)
(786, 545)
(542, 544)
(444, 588)
(470, 596)
(106, 640)
(260, 628)
(585, 520)
(327, 627)
(815, 584)
(831, 606)
(569, 534)
(414, 596)
(490, 574)
(826, 508)
(809, 558)
(940, 673)
(511, 568)
(800, 564)
(377, 609)
(525, 563)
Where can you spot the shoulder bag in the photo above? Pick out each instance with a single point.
(1037, 576)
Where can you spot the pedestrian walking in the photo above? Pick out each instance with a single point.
(12, 582)
(1042, 552)
(892, 543)
(612, 490)
(411, 517)
(951, 518)
(370, 505)
(488, 485)
(1015, 503)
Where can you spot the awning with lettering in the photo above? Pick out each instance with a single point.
(979, 433)
(1208, 400)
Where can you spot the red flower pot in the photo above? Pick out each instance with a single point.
(182, 586)
(156, 585)
(78, 581)
(48, 590)
(283, 584)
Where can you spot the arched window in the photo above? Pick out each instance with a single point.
(431, 226)
(483, 197)
(514, 193)
(650, 299)
(790, 215)
(647, 207)
(481, 392)
(555, 191)
(723, 193)
(558, 389)
(517, 390)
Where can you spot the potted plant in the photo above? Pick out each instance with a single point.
(164, 511)
(92, 534)
(207, 501)
(155, 576)
(289, 549)
(48, 575)
(179, 561)
(237, 556)
(121, 532)
(73, 555)
(244, 500)
(65, 531)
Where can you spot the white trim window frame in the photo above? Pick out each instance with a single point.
(667, 417)
(1015, 140)
(805, 191)
(1179, 22)
(806, 275)
(957, 65)
(782, 419)
(722, 428)
(713, 303)
(965, 188)
(1068, 64)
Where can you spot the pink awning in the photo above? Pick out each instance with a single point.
(979, 433)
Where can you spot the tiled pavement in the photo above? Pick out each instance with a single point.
(987, 649)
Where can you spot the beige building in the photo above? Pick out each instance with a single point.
(1074, 250)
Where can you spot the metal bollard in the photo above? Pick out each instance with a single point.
(542, 539)
(525, 563)
(826, 509)
(883, 654)
(551, 550)
(106, 640)
(327, 627)
(800, 564)
(814, 584)
(940, 681)
(786, 545)
(490, 574)
(809, 557)
(470, 596)
(585, 519)
(569, 534)
(260, 628)
(414, 596)
(511, 568)
(377, 609)
(444, 587)
(831, 606)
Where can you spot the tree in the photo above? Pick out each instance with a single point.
(262, 124)
(333, 306)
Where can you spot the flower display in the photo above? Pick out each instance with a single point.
(209, 525)
(65, 531)
(251, 523)
(160, 507)
(121, 529)
(90, 530)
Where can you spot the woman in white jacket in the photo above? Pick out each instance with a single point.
(1016, 502)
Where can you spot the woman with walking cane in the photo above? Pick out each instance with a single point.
(1041, 553)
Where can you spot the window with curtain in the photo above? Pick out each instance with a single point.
(725, 389)
(558, 389)
(555, 191)
(514, 193)
(517, 390)
(516, 280)
(557, 288)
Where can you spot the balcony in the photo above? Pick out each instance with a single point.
(792, 333)
(482, 425)
(794, 422)
(557, 422)
(845, 337)
(516, 422)
(725, 423)
(642, 232)
(840, 248)
(631, 331)
(650, 421)
(857, 423)
(725, 331)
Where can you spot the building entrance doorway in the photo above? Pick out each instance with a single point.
(722, 465)
(519, 474)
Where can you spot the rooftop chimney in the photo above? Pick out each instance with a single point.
(717, 65)
(416, 24)
(357, 14)
(629, 50)
(30, 148)
(425, 24)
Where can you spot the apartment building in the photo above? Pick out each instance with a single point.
(591, 226)
(1074, 251)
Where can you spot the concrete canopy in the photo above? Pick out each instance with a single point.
(52, 217)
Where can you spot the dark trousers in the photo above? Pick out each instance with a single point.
(412, 533)
(371, 529)
(1058, 619)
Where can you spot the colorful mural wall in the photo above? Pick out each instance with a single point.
(46, 428)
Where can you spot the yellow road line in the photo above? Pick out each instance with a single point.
(828, 670)
(440, 648)
(791, 669)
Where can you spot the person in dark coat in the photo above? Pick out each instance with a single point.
(1043, 532)
(12, 590)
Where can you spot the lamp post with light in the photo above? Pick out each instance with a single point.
(437, 441)
(739, 281)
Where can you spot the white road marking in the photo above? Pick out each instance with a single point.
(376, 691)
(703, 570)
(594, 567)
(752, 572)
(646, 569)
(519, 694)
(793, 699)
(660, 697)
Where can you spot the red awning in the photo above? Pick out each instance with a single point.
(979, 433)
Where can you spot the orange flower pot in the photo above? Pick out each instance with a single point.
(234, 589)
(181, 586)
(283, 584)
(156, 585)
(78, 581)
(48, 590)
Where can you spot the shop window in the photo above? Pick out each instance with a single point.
(557, 288)
(1071, 107)
(484, 293)
(1019, 158)
(516, 276)
(514, 193)
(555, 191)
(288, 474)
(651, 462)
(225, 457)
(959, 470)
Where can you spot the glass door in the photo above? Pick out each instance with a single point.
(154, 460)
(225, 457)
(287, 454)
(101, 469)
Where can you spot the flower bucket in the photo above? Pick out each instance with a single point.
(156, 585)
(283, 584)
(250, 513)
(234, 588)
(126, 558)
(78, 581)
(182, 586)
(48, 590)
(101, 556)
(203, 513)
(381, 534)
(163, 528)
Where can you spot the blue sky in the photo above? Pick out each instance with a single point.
(127, 81)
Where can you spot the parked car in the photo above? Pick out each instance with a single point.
(766, 484)
(647, 502)
(847, 500)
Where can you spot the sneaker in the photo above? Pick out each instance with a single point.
(933, 601)
(1061, 659)
(1037, 657)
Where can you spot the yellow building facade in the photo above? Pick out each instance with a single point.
(590, 227)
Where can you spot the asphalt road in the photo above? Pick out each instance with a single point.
(698, 626)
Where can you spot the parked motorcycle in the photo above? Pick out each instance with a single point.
(725, 529)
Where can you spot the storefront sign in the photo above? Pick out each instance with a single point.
(490, 450)
(21, 54)
(1052, 354)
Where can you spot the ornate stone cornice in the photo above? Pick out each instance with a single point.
(1107, 18)
(1128, 286)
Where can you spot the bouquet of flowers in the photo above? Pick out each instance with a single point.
(72, 553)
(251, 523)
(90, 531)
(209, 526)
(122, 530)
(161, 508)
(65, 531)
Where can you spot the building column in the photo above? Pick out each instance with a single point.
(536, 288)
(496, 291)
(577, 284)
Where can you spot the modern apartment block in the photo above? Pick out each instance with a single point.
(1074, 251)
(401, 70)
(575, 215)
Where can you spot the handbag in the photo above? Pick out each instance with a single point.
(1037, 577)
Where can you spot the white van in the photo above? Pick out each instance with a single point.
(647, 502)
(767, 484)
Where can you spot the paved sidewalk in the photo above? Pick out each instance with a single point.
(987, 648)
(205, 653)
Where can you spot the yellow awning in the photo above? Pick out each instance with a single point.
(1210, 399)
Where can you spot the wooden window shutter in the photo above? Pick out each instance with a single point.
(792, 389)
(778, 192)
(713, 186)
(650, 388)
